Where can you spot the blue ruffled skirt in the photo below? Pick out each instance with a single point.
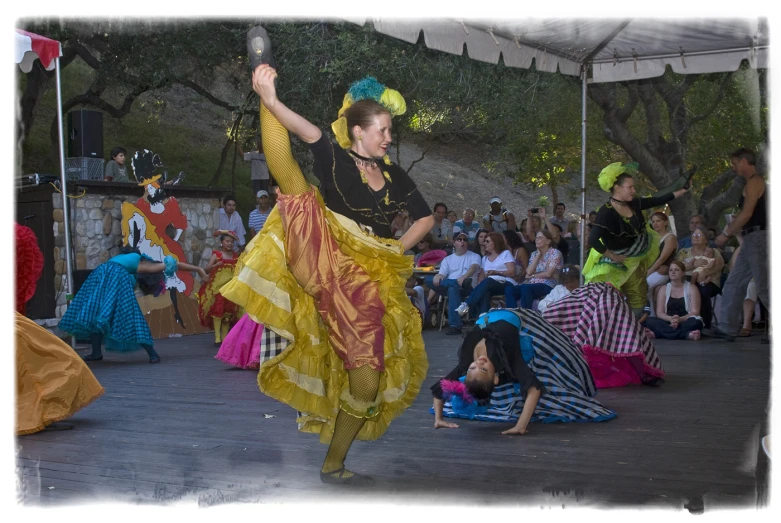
(106, 304)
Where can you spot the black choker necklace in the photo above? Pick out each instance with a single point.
(361, 158)
(619, 202)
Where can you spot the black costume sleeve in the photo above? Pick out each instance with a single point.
(465, 359)
(323, 152)
(598, 230)
(416, 204)
(648, 203)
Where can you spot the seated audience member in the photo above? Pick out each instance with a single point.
(668, 244)
(417, 295)
(496, 274)
(569, 280)
(677, 308)
(540, 274)
(467, 224)
(478, 246)
(694, 222)
(498, 218)
(424, 246)
(455, 279)
(401, 224)
(519, 252)
(703, 267)
(573, 230)
(451, 217)
(442, 231)
(592, 218)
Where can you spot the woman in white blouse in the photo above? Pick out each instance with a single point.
(496, 274)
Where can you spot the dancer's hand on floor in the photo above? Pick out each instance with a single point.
(442, 424)
(515, 430)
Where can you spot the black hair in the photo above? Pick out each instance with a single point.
(438, 205)
(228, 198)
(621, 179)
(495, 351)
(117, 150)
(569, 272)
(745, 152)
(512, 239)
(561, 205)
(148, 282)
(222, 236)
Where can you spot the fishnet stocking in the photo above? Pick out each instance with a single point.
(364, 384)
(276, 145)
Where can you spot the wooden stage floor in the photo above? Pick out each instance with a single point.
(194, 429)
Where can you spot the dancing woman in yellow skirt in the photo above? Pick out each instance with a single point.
(330, 280)
(623, 244)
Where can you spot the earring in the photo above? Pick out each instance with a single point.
(360, 138)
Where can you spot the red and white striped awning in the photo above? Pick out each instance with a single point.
(31, 47)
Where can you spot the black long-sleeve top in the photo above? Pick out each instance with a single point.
(344, 192)
(613, 231)
(521, 373)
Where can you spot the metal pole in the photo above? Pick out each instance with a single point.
(583, 216)
(64, 189)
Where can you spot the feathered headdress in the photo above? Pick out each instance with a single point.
(461, 401)
(367, 88)
(610, 173)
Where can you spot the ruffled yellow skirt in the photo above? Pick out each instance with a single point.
(310, 375)
(52, 382)
(629, 277)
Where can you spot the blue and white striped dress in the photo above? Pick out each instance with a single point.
(557, 364)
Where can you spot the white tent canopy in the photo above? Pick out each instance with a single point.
(597, 50)
(618, 49)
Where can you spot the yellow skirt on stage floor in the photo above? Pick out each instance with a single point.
(309, 375)
(52, 382)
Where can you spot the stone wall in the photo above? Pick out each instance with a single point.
(97, 231)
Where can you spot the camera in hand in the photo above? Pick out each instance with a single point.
(535, 210)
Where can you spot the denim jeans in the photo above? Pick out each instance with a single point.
(455, 294)
(527, 292)
(479, 300)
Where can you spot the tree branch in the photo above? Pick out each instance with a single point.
(419, 159)
(719, 97)
(206, 94)
(626, 111)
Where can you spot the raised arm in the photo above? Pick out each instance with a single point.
(263, 84)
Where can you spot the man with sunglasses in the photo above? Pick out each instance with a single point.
(455, 279)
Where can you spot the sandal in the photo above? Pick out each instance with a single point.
(343, 476)
(744, 333)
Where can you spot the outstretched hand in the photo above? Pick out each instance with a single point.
(263, 83)
(442, 424)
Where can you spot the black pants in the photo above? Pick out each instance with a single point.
(663, 330)
(707, 292)
(259, 185)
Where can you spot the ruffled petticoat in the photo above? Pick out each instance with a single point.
(361, 316)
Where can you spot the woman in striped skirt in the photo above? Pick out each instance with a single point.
(516, 366)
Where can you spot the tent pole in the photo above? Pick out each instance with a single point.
(583, 216)
(64, 189)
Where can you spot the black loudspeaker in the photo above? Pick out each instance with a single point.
(85, 134)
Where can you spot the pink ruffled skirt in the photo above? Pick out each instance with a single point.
(241, 347)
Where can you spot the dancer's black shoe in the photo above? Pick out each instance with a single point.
(343, 476)
(59, 426)
(154, 359)
(92, 357)
(259, 48)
